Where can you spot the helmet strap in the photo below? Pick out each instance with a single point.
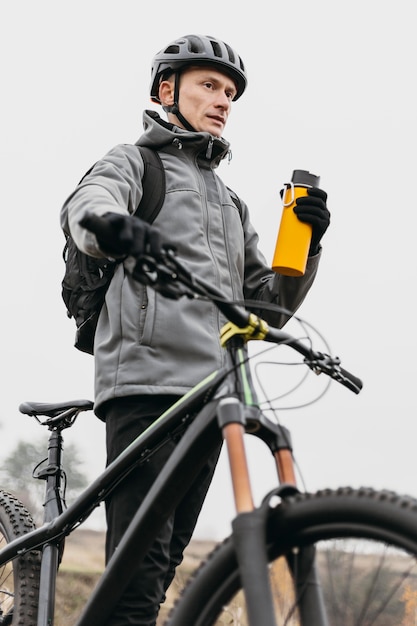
(174, 108)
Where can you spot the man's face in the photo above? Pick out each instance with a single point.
(205, 98)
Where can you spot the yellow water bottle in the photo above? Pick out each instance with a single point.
(294, 236)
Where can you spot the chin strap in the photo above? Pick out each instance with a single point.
(174, 108)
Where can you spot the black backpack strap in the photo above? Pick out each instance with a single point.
(153, 182)
(236, 200)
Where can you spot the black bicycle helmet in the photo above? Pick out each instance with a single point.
(195, 50)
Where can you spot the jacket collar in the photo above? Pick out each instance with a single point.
(159, 133)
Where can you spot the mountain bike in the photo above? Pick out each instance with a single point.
(339, 556)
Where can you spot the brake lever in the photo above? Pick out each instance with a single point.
(164, 274)
(323, 363)
(326, 364)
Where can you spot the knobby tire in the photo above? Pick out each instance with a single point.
(366, 547)
(19, 579)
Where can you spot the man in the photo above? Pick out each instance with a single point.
(150, 350)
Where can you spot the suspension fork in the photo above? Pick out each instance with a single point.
(249, 526)
(236, 417)
(53, 506)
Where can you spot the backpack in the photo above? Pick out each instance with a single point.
(87, 278)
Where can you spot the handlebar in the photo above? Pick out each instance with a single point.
(169, 276)
(166, 274)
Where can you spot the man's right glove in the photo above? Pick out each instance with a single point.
(123, 235)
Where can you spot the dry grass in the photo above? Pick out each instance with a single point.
(79, 572)
(83, 564)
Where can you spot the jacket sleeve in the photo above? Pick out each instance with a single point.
(113, 184)
(262, 283)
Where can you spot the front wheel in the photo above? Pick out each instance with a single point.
(19, 579)
(366, 558)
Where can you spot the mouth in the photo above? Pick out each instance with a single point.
(218, 119)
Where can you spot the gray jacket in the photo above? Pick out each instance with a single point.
(145, 343)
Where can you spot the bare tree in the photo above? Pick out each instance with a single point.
(18, 471)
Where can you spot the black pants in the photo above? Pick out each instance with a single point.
(125, 419)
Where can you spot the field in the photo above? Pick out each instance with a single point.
(83, 563)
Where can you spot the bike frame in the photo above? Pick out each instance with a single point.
(229, 409)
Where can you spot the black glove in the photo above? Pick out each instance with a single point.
(312, 209)
(123, 235)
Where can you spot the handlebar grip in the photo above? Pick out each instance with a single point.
(350, 381)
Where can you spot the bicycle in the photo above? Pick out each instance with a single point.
(343, 556)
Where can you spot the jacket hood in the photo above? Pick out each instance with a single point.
(159, 133)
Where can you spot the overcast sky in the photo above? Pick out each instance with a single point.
(331, 90)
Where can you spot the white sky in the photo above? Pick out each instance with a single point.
(332, 90)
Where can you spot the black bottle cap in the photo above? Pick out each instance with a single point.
(302, 177)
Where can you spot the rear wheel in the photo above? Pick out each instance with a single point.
(19, 579)
(366, 547)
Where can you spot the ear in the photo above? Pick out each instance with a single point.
(166, 93)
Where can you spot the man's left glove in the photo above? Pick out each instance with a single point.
(312, 209)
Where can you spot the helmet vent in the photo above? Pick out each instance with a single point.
(230, 53)
(173, 49)
(195, 44)
(217, 51)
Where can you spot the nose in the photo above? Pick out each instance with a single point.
(223, 101)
